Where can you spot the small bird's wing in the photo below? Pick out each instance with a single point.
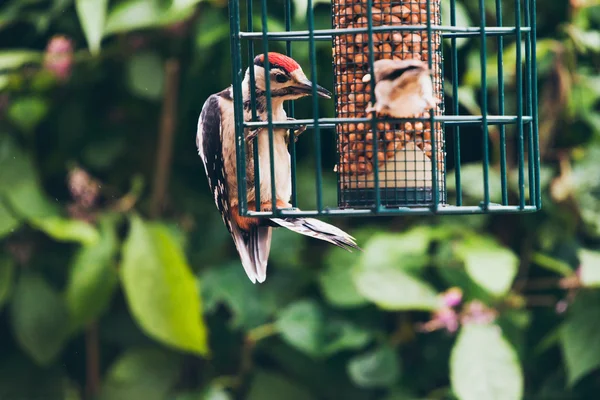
(254, 245)
(318, 230)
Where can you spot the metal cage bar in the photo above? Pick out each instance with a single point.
(455, 106)
(456, 123)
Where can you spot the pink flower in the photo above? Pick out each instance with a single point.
(447, 318)
(59, 57)
(452, 297)
(476, 312)
(83, 187)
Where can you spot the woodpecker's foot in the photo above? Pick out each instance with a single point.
(252, 135)
(299, 131)
(268, 205)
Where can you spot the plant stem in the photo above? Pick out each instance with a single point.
(92, 358)
(165, 139)
(261, 332)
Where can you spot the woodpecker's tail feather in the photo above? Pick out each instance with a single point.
(319, 230)
(253, 247)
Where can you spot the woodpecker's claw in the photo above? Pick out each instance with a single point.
(299, 131)
(252, 135)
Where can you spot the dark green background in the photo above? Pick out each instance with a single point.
(119, 308)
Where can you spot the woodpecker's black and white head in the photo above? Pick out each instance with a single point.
(286, 78)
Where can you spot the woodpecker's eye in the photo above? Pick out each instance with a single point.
(281, 78)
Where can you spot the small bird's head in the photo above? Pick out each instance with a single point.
(403, 88)
(286, 78)
(408, 70)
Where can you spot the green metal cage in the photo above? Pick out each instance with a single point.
(440, 128)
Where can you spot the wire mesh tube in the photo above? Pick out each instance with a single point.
(402, 151)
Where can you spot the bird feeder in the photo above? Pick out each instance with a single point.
(394, 158)
(410, 165)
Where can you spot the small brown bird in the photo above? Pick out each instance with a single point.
(403, 88)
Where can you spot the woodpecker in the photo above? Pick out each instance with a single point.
(215, 140)
(403, 88)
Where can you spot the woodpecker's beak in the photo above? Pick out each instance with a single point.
(305, 86)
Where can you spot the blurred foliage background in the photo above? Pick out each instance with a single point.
(118, 279)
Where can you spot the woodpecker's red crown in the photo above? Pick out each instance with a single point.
(277, 60)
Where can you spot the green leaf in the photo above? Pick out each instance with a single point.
(462, 20)
(393, 289)
(146, 75)
(590, 267)
(142, 373)
(300, 324)
(586, 184)
(483, 365)
(140, 14)
(551, 264)
(271, 386)
(229, 285)
(579, 336)
(213, 28)
(184, 4)
(7, 272)
(19, 183)
(28, 200)
(489, 264)
(67, 230)
(39, 318)
(8, 222)
(27, 112)
(336, 280)
(343, 335)
(132, 15)
(93, 276)
(161, 290)
(92, 16)
(15, 166)
(584, 41)
(301, 7)
(4, 81)
(376, 368)
(213, 392)
(12, 59)
(407, 250)
(472, 182)
(305, 326)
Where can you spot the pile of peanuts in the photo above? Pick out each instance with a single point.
(350, 54)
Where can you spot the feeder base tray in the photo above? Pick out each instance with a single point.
(390, 197)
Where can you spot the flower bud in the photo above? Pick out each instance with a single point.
(452, 297)
(59, 57)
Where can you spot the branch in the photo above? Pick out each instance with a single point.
(92, 360)
(165, 140)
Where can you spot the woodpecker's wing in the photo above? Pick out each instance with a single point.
(318, 230)
(253, 246)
